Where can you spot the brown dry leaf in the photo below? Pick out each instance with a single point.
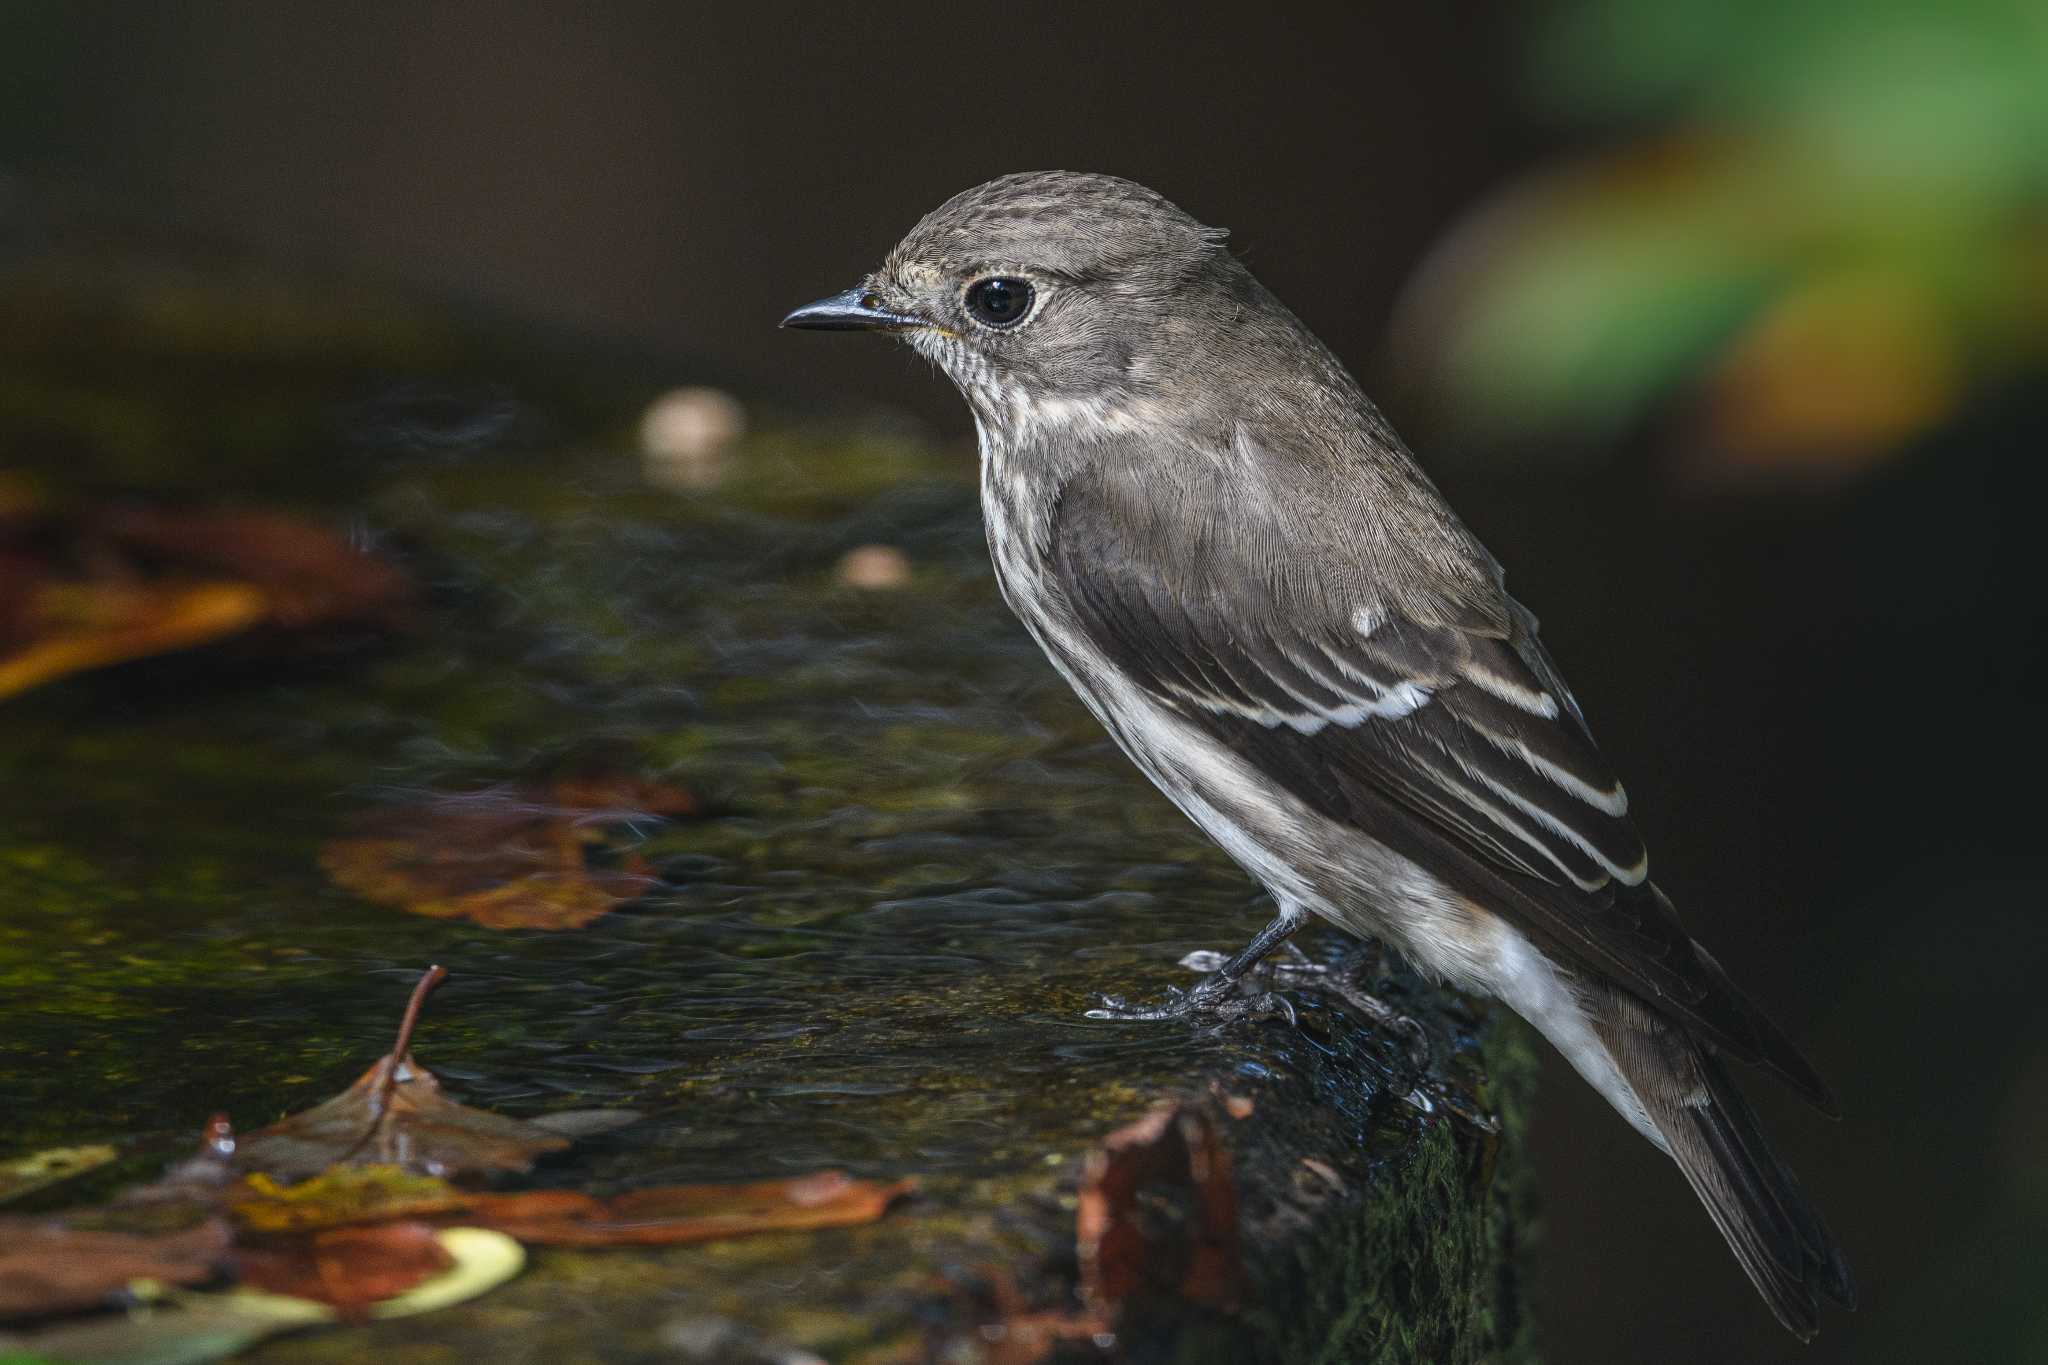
(346, 1268)
(48, 1267)
(686, 1213)
(308, 575)
(508, 857)
(72, 627)
(85, 588)
(1158, 1213)
(396, 1115)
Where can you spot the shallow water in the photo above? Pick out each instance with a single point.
(905, 805)
(918, 865)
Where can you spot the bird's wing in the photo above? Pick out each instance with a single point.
(1455, 740)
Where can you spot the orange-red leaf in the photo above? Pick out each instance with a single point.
(346, 1268)
(686, 1213)
(307, 573)
(47, 1267)
(1172, 1163)
(88, 587)
(73, 627)
(513, 857)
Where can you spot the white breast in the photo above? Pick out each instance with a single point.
(1307, 862)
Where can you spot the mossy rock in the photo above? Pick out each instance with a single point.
(919, 863)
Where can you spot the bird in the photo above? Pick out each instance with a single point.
(1232, 558)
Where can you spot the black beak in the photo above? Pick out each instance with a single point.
(856, 310)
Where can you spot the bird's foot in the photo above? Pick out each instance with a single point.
(1219, 998)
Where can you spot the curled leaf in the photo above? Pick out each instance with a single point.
(396, 1115)
(479, 1260)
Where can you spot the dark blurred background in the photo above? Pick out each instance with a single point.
(1724, 324)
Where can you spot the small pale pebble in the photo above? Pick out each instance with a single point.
(874, 566)
(686, 434)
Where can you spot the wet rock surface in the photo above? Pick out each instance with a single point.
(913, 865)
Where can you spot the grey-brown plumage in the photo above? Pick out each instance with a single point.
(1223, 546)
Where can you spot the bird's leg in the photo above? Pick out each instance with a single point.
(1263, 945)
(1217, 995)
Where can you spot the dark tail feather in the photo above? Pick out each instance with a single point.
(1752, 1196)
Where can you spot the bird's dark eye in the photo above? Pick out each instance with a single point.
(999, 300)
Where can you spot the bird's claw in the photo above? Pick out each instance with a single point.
(1214, 999)
(1223, 999)
(1289, 966)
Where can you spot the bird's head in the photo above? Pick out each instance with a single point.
(1050, 296)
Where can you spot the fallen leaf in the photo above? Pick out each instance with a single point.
(347, 1269)
(480, 1260)
(686, 1213)
(396, 1115)
(169, 1329)
(336, 1198)
(88, 587)
(38, 1170)
(74, 627)
(348, 1195)
(1157, 1213)
(555, 857)
(307, 574)
(49, 1267)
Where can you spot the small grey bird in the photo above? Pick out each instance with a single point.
(1227, 552)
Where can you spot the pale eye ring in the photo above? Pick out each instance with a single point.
(1000, 300)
